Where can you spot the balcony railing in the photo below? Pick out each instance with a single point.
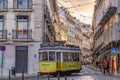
(99, 32)
(4, 5)
(25, 35)
(109, 13)
(23, 6)
(3, 35)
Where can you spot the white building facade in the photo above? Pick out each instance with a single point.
(21, 32)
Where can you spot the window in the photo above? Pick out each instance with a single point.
(1, 26)
(23, 4)
(44, 56)
(51, 56)
(22, 26)
(1, 4)
(58, 56)
(22, 22)
(1, 22)
(67, 56)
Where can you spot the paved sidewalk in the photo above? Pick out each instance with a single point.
(97, 69)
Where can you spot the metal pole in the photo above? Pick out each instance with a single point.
(58, 76)
(48, 76)
(22, 75)
(65, 77)
(9, 75)
(38, 76)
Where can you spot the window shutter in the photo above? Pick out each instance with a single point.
(15, 4)
(30, 4)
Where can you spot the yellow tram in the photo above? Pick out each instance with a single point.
(57, 57)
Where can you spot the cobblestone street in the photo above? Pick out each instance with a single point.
(86, 74)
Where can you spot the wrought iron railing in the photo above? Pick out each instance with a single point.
(22, 34)
(3, 34)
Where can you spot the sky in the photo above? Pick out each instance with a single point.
(81, 9)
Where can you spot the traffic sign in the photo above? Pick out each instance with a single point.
(113, 49)
(2, 48)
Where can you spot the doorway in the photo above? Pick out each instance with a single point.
(21, 59)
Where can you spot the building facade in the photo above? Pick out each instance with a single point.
(21, 32)
(49, 12)
(106, 32)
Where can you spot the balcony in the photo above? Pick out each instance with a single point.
(22, 6)
(99, 32)
(109, 13)
(22, 35)
(3, 6)
(3, 35)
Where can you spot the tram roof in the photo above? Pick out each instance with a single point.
(58, 47)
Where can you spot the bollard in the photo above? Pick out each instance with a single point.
(22, 75)
(9, 74)
(65, 77)
(48, 76)
(58, 76)
(38, 76)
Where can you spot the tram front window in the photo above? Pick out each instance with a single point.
(51, 56)
(45, 56)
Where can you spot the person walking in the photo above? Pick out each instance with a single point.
(106, 66)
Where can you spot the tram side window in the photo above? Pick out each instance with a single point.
(51, 56)
(67, 57)
(45, 56)
(76, 57)
(70, 57)
(58, 56)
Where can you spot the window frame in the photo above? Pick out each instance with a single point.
(2, 21)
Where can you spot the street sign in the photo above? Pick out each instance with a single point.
(2, 48)
(113, 49)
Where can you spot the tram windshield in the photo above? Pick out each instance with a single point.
(47, 56)
(51, 56)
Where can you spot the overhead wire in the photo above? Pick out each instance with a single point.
(76, 6)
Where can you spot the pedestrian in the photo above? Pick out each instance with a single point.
(106, 66)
